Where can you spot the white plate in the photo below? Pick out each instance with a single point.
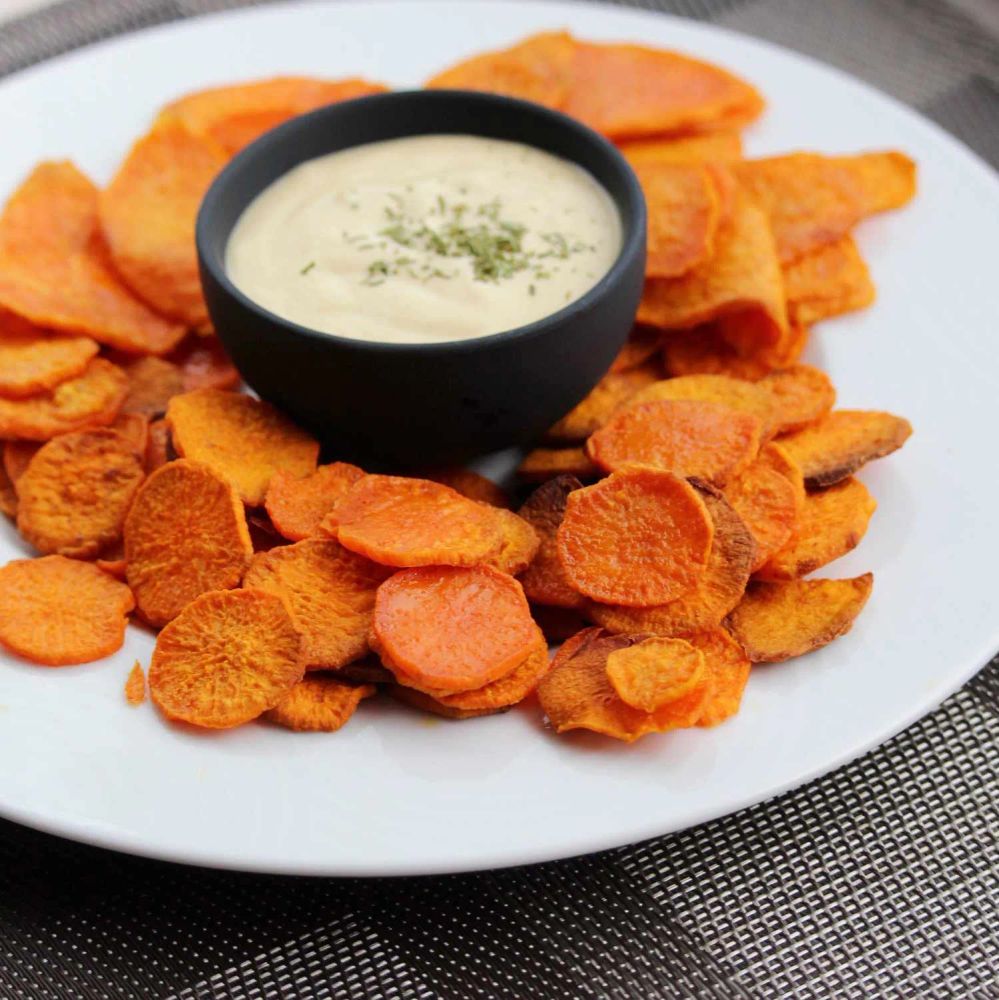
(396, 793)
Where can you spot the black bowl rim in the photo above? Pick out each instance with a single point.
(633, 220)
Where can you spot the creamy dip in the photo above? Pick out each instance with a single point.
(425, 239)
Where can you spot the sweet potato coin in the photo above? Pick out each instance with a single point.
(542, 464)
(37, 362)
(728, 667)
(297, 506)
(831, 523)
(655, 671)
(519, 545)
(75, 494)
(330, 593)
(225, 659)
(715, 594)
(828, 281)
(135, 685)
(544, 580)
(59, 611)
(735, 393)
(318, 703)
(148, 212)
(603, 401)
(686, 437)
(451, 629)
(638, 538)
(152, 383)
(185, 534)
(767, 502)
(91, 399)
(799, 396)
(776, 621)
(414, 522)
(55, 271)
(843, 441)
(243, 439)
(470, 484)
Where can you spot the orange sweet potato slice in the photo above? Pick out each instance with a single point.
(244, 439)
(729, 669)
(831, 523)
(541, 464)
(135, 685)
(519, 544)
(8, 495)
(148, 213)
(799, 396)
(318, 703)
(54, 267)
(296, 506)
(715, 594)
(470, 484)
(705, 351)
(17, 455)
(36, 362)
(684, 211)
(776, 458)
(398, 521)
(204, 363)
(815, 200)
(330, 593)
(544, 580)
(842, 442)
(225, 659)
(91, 399)
(767, 502)
(59, 611)
(605, 399)
(827, 281)
(233, 116)
(655, 671)
(638, 538)
(449, 629)
(721, 146)
(639, 349)
(75, 494)
(152, 383)
(628, 91)
(158, 445)
(686, 437)
(185, 534)
(537, 69)
(776, 621)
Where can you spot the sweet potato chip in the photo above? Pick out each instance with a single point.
(54, 267)
(426, 703)
(413, 522)
(655, 671)
(59, 611)
(686, 437)
(605, 399)
(537, 69)
(542, 464)
(711, 147)
(642, 345)
(296, 506)
(37, 362)
(135, 685)
(204, 363)
(330, 593)
(318, 704)
(767, 502)
(243, 439)
(831, 523)
(225, 659)
(705, 351)
(639, 538)
(519, 545)
(235, 115)
(815, 200)
(148, 212)
(628, 91)
(842, 442)
(152, 383)
(741, 279)
(8, 495)
(92, 399)
(75, 494)
(776, 458)
(185, 534)
(450, 629)
(776, 621)
(828, 281)
(470, 484)
(158, 446)
(16, 457)
(684, 210)
(729, 669)
(799, 396)
(544, 581)
(715, 594)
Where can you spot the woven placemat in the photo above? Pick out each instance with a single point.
(880, 880)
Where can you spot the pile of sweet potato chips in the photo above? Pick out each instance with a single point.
(718, 472)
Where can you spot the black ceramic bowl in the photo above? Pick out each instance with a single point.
(420, 404)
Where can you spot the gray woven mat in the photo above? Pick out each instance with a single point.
(881, 880)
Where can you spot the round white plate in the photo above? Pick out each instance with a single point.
(399, 793)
